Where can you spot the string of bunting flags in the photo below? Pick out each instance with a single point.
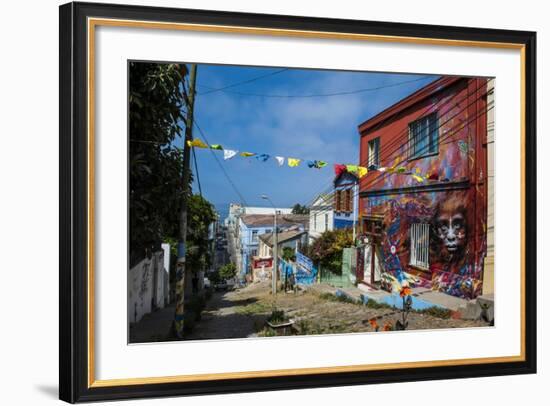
(357, 170)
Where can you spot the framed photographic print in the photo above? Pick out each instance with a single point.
(256, 202)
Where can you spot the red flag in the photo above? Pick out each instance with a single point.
(339, 169)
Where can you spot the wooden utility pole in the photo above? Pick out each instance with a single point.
(179, 317)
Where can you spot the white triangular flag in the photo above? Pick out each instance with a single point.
(280, 160)
(229, 153)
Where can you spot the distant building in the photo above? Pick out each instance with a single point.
(321, 216)
(251, 226)
(346, 200)
(233, 226)
(262, 264)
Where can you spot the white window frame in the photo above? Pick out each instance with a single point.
(420, 245)
(374, 152)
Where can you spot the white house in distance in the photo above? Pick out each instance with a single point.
(321, 216)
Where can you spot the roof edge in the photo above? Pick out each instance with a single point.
(419, 95)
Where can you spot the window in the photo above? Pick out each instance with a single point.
(315, 221)
(374, 153)
(420, 248)
(423, 136)
(255, 236)
(348, 204)
(337, 201)
(326, 222)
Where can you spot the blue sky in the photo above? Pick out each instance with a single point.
(322, 128)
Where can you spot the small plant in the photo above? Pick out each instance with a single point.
(267, 332)
(228, 271)
(338, 298)
(405, 295)
(289, 254)
(277, 317)
(373, 304)
(374, 324)
(438, 312)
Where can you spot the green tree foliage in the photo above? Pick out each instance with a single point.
(299, 209)
(327, 249)
(200, 214)
(288, 254)
(155, 120)
(228, 271)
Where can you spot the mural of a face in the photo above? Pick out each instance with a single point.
(450, 227)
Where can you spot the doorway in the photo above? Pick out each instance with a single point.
(372, 228)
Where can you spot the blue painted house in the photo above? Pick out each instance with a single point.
(251, 226)
(346, 200)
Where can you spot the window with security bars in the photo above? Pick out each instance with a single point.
(423, 136)
(420, 245)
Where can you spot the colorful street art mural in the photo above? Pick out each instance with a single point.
(455, 254)
(301, 272)
(452, 204)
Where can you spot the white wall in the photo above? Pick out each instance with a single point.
(29, 170)
(147, 284)
(317, 223)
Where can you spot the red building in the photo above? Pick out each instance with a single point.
(428, 229)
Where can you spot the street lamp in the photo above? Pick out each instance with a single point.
(275, 243)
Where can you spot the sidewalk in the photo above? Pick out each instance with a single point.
(422, 299)
(153, 327)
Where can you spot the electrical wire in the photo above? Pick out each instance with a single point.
(397, 149)
(243, 200)
(224, 88)
(383, 174)
(385, 148)
(344, 93)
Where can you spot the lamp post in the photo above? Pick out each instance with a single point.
(275, 253)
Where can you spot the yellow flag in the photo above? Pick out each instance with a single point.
(361, 171)
(417, 178)
(197, 143)
(293, 162)
(247, 154)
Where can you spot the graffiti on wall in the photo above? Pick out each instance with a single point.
(455, 252)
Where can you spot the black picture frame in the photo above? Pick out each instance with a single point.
(74, 381)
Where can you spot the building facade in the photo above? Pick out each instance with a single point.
(233, 227)
(262, 264)
(430, 229)
(251, 226)
(321, 216)
(346, 200)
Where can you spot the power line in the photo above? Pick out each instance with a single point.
(343, 93)
(220, 164)
(384, 174)
(397, 138)
(220, 89)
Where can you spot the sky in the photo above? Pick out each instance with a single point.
(243, 118)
